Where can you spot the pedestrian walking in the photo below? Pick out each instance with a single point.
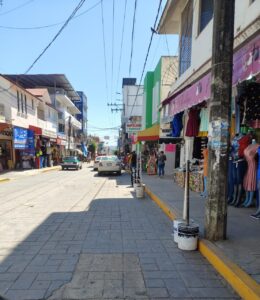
(161, 163)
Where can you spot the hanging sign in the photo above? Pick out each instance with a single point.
(23, 138)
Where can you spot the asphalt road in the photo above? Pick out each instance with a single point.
(74, 235)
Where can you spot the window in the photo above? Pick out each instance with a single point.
(61, 128)
(22, 103)
(206, 13)
(18, 102)
(2, 112)
(186, 38)
(25, 104)
(32, 105)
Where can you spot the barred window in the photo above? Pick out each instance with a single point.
(25, 104)
(186, 38)
(18, 101)
(206, 13)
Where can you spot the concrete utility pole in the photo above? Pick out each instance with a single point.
(219, 119)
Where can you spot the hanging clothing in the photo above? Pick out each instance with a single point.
(188, 148)
(177, 124)
(193, 123)
(204, 119)
(200, 143)
(249, 102)
(250, 177)
(243, 142)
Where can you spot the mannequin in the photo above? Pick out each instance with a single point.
(256, 215)
(238, 165)
(250, 177)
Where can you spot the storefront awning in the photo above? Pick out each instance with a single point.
(149, 134)
(245, 65)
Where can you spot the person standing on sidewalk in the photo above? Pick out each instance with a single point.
(161, 163)
(133, 161)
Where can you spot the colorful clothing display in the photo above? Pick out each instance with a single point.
(192, 129)
(250, 177)
(177, 124)
(204, 119)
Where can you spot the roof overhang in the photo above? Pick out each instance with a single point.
(171, 17)
(44, 80)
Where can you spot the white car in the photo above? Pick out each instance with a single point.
(109, 164)
(96, 162)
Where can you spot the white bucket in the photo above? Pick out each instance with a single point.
(139, 190)
(175, 229)
(188, 236)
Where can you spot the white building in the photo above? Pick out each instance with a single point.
(192, 21)
(132, 110)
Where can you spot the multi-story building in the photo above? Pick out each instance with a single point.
(27, 117)
(82, 117)
(189, 99)
(193, 22)
(131, 114)
(62, 95)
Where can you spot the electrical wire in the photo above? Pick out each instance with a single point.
(104, 47)
(121, 46)
(112, 61)
(16, 8)
(51, 25)
(132, 40)
(81, 2)
(147, 54)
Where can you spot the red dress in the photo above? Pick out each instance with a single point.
(250, 177)
(192, 128)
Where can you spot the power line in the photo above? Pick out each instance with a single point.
(50, 25)
(81, 2)
(132, 40)
(104, 46)
(112, 61)
(147, 54)
(15, 8)
(121, 47)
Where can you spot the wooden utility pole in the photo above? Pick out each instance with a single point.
(219, 119)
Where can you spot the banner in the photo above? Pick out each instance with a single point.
(23, 138)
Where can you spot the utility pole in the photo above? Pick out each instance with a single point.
(69, 133)
(219, 119)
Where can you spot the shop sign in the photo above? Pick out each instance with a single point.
(165, 130)
(49, 133)
(134, 124)
(37, 130)
(23, 138)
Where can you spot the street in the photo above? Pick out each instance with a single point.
(74, 235)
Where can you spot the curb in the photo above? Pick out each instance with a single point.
(245, 286)
(50, 169)
(4, 179)
(56, 168)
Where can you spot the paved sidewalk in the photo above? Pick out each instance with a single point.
(14, 174)
(243, 243)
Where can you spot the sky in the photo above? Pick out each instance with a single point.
(79, 51)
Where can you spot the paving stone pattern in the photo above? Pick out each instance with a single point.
(114, 247)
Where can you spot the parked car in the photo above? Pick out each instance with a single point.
(96, 162)
(109, 164)
(71, 162)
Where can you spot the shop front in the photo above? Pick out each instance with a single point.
(23, 141)
(190, 112)
(48, 149)
(61, 147)
(6, 147)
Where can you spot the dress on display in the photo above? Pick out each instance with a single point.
(250, 177)
(192, 129)
(177, 125)
(204, 119)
